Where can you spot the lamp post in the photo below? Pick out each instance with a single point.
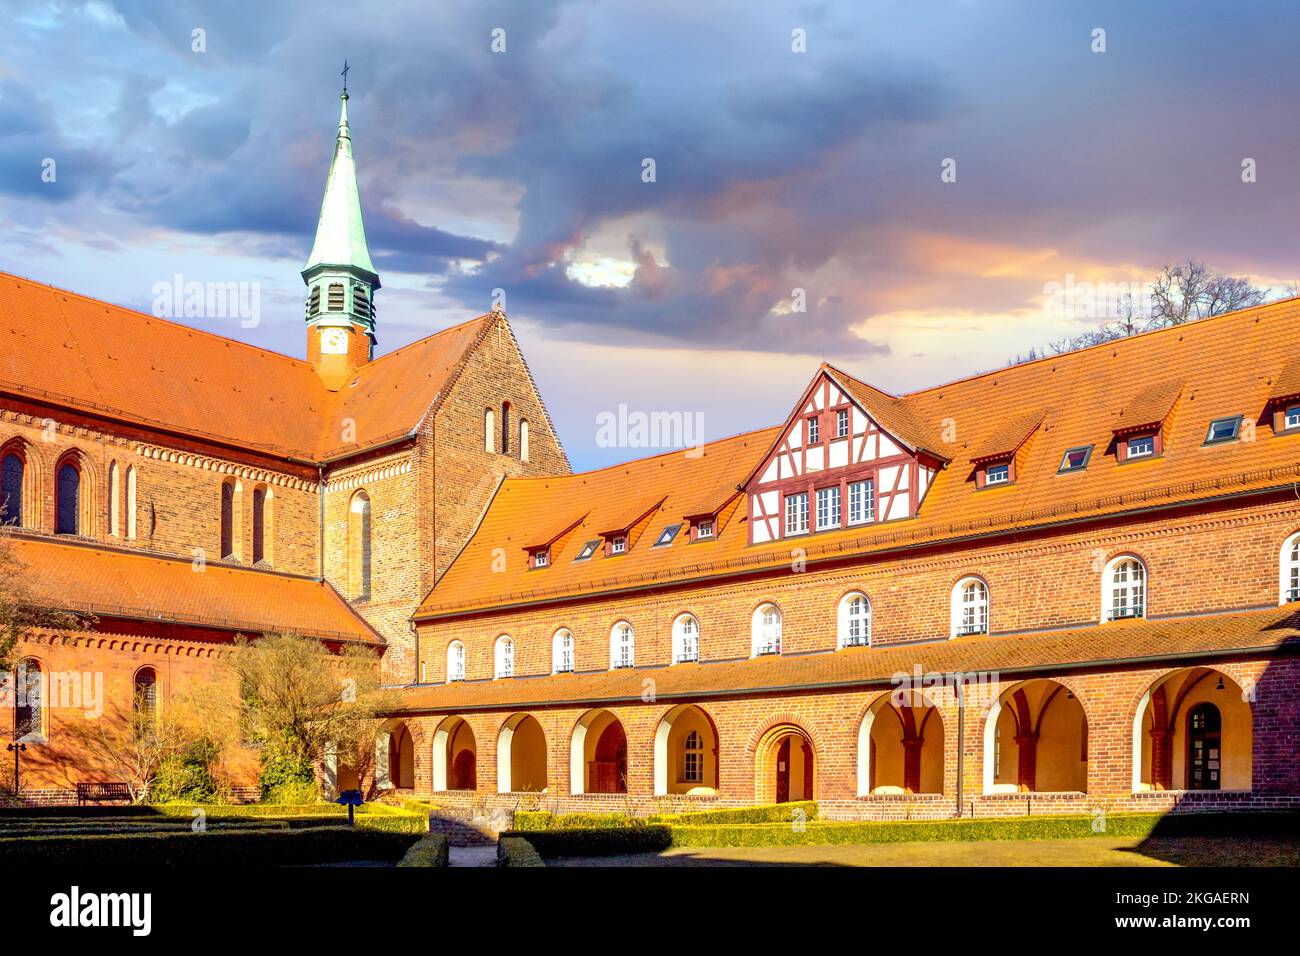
(17, 747)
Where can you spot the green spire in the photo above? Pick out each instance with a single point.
(340, 234)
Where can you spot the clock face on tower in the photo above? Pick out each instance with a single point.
(334, 342)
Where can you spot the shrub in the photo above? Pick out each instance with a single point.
(516, 851)
(767, 813)
(607, 841)
(188, 775)
(535, 820)
(430, 851)
(286, 773)
(294, 792)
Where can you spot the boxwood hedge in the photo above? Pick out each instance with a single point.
(607, 841)
(517, 851)
(427, 851)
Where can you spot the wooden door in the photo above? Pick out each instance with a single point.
(1204, 748)
(783, 771)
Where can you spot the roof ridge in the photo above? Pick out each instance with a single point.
(423, 339)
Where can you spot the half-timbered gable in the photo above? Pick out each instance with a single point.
(847, 455)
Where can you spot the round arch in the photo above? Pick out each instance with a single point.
(598, 754)
(1036, 740)
(675, 770)
(785, 764)
(455, 755)
(901, 746)
(521, 755)
(1170, 754)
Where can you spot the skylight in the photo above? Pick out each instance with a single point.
(666, 536)
(588, 550)
(1223, 429)
(1075, 459)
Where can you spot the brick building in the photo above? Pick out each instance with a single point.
(1057, 587)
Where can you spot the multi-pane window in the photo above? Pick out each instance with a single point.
(28, 716)
(972, 607)
(767, 630)
(842, 423)
(997, 474)
(1291, 569)
(796, 513)
(505, 657)
(855, 621)
(862, 501)
(814, 431)
(693, 758)
(618, 544)
(622, 651)
(686, 639)
(704, 528)
(146, 703)
(1142, 446)
(456, 661)
(563, 662)
(541, 559)
(1292, 417)
(68, 503)
(828, 508)
(11, 490)
(1126, 584)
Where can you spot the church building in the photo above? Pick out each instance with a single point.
(1066, 586)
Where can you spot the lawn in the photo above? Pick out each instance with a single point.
(1097, 851)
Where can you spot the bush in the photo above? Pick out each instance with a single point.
(516, 851)
(536, 820)
(286, 774)
(430, 851)
(212, 849)
(607, 841)
(767, 813)
(187, 776)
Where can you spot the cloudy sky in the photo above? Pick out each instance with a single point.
(775, 169)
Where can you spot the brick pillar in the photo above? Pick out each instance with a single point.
(1162, 762)
(1027, 767)
(912, 763)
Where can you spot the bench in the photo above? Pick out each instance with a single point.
(99, 792)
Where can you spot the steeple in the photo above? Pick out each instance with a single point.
(341, 279)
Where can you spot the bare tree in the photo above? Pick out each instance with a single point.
(1189, 291)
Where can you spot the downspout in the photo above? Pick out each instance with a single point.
(961, 743)
(320, 520)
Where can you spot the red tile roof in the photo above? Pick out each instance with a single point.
(1148, 408)
(1257, 632)
(109, 582)
(103, 359)
(1228, 365)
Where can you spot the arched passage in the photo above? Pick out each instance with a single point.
(598, 754)
(455, 756)
(1036, 741)
(394, 758)
(900, 748)
(521, 756)
(785, 765)
(686, 753)
(1193, 731)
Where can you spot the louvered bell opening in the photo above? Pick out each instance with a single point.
(361, 301)
(335, 300)
(313, 301)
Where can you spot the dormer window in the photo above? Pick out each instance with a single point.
(667, 535)
(814, 431)
(618, 544)
(1075, 459)
(703, 529)
(842, 423)
(1291, 417)
(997, 474)
(588, 550)
(1223, 430)
(541, 559)
(1140, 446)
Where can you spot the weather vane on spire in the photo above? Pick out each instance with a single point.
(345, 76)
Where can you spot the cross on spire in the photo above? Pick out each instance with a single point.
(345, 75)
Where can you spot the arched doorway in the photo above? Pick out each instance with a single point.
(598, 754)
(401, 758)
(686, 753)
(1036, 741)
(521, 756)
(455, 756)
(900, 748)
(1193, 731)
(785, 765)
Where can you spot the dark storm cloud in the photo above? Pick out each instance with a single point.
(31, 143)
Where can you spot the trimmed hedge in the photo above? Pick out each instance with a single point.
(517, 851)
(766, 813)
(430, 851)
(608, 841)
(211, 849)
(534, 821)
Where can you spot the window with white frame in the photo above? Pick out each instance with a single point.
(562, 652)
(505, 657)
(693, 758)
(618, 544)
(970, 607)
(998, 474)
(855, 620)
(1143, 446)
(862, 501)
(622, 647)
(828, 508)
(686, 639)
(766, 628)
(704, 529)
(1290, 574)
(814, 431)
(455, 661)
(842, 423)
(1125, 582)
(796, 513)
(1291, 418)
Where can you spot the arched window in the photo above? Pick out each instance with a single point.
(359, 547)
(67, 511)
(259, 524)
(505, 428)
(970, 607)
(693, 758)
(1289, 580)
(232, 494)
(11, 490)
(686, 639)
(455, 661)
(562, 652)
(489, 431)
(855, 620)
(29, 709)
(145, 702)
(1125, 589)
(622, 646)
(114, 499)
(523, 439)
(505, 657)
(765, 629)
(130, 502)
